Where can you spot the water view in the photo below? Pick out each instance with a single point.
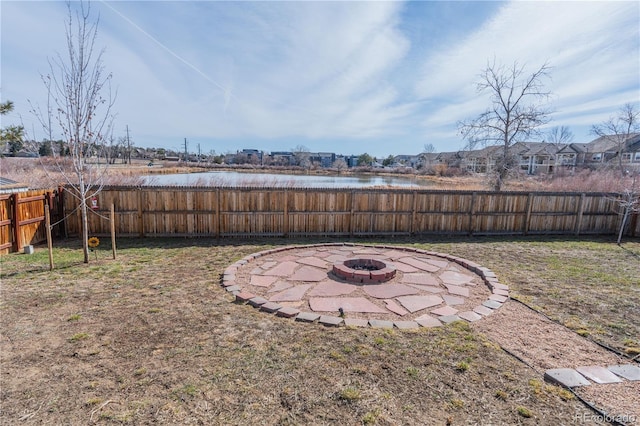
(228, 178)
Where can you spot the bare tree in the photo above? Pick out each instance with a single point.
(620, 129)
(629, 202)
(516, 112)
(302, 156)
(79, 103)
(560, 135)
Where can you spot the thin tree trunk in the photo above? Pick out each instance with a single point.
(623, 224)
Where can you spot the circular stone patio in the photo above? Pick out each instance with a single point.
(361, 285)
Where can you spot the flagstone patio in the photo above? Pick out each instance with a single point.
(426, 288)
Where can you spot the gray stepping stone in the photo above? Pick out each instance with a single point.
(626, 371)
(469, 316)
(567, 377)
(356, 322)
(330, 321)
(406, 325)
(257, 301)
(492, 304)
(482, 310)
(233, 288)
(287, 312)
(428, 321)
(447, 319)
(270, 307)
(598, 374)
(380, 323)
(307, 317)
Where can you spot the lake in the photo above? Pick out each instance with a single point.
(228, 178)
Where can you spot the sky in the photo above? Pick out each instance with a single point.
(349, 77)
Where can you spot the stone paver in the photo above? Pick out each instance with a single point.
(291, 294)
(307, 317)
(287, 312)
(420, 264)
(257, 301)
(445, 310)
(262, 280)
(598, 374)
(387, 291)
(453, 300)
(270, 307)
(422, 279)
(308, 273)
(567, 377)
(428, 321)
(492, 304)
(406, 325)
(469, 316)
(627, 371)
(447, 319)
(313, 261)
(417, 303)
(296, 282)
(283, 269)
(455, 278)
(380, 323)
(356, 322)
(395, 308)
(332, 288)
(458, 290)
(279, 286)
(244, 296)
(329, 320)
(428, 288)
(348, 304)
(483, 310)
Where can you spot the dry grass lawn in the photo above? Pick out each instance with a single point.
(152, 338)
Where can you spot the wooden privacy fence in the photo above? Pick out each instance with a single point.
(254, 212)
(22, 220)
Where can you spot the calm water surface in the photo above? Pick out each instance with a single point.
(226, 178)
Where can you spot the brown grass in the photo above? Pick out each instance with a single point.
(151, 338)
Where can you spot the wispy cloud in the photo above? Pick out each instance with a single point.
(382, 77)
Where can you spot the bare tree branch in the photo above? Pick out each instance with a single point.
(79, 106)
(516, 113)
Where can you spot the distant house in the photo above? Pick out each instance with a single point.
(412, 161)
(481, 160)
(535, 157)
(9, 186)
(281, 158)
(324, 159)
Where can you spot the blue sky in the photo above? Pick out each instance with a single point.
(384, 77)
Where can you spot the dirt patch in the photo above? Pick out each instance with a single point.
(153, 338)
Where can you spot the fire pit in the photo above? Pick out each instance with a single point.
(365, 271)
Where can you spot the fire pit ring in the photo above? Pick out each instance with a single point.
(364, 271)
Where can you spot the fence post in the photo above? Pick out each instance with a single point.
(351, 221)
(527, 219)
(140, 214)
(62, 223)
(285, 219)
(17, 242)
(47, 223)
(472, 212)
(217, 224)
(412, 229)
(579, 214)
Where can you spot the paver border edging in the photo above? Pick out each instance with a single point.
(499, 292)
